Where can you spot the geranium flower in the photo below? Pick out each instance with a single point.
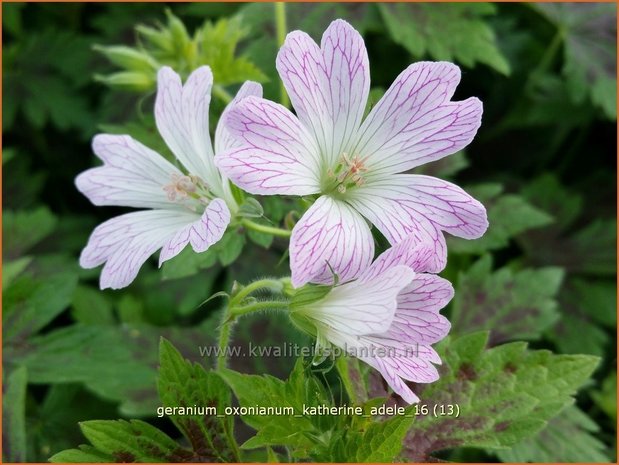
(388, 317)
(352, 164)
(190, 204)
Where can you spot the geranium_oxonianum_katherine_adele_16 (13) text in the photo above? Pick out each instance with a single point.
(350, 169)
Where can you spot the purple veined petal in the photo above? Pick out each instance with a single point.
(132, 174)
(401, 204)
(389, 219)
(417, 319)
(125, 242)
(276, 156)
(444, 204)
(223, 139)
(181, 114)
(364, 307)
(201, 234)
(414, 252)
(328, 85)
(397, 362)
(415, 123)
(330, 235)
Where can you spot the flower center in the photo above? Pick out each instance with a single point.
(189, 190)
(348, 173)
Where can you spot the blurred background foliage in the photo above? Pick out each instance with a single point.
(543, 163)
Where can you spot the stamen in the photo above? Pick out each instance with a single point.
(183, 187)
(348, 173)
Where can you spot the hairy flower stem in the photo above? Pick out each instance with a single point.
(282, 29)
(224, 338)
(234, 310)
(262, 305)
(266, 229)
(274, 285)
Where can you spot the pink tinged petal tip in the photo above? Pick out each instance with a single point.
(329, 236)
(328, 85)
(415, 122)
(276, 154)
(417, 319)
(132, 174)
(125, 242)
(413, 251)
(201, 234)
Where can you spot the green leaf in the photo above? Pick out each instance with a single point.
(503, 395)
(606, 397)
(450, 31)
(182, 384)
(125, 441)
(229, 247)
(512, 305)
(547, 193)
(213, 44)
(287, 426)
(378, 442)
(188, 263)
(118, 366)
(218, 45)
(13, 269)
(569, 437)
(24, 229)
(47, 86)
(90, 306)
(251, 208)
(30, 304)
(14, 416)
(588, 307)
(84, 454)
(589, 250)
(590, 49)
(446, 167)
(508, 216)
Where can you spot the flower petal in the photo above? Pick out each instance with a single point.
(277, 155)
(132, 175)
(201, 234)
(363, 307)
(125, 242)
(223, 139)
(330, 235)
(417, 319)
(328, 86)
(413, 252)
(401, 204)
(415, 123)
(396, 361)
(181, 113)
(406, 364)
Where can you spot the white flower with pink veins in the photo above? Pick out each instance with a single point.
(189, 204)
(388, 316)
(354, 167)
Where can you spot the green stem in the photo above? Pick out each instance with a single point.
(222, 94)
(282, 29)
(272, 284)
(266, 229)
(224, 338)
(258, 306)
(547, 58)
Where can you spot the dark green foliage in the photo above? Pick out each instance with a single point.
(88, 366)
